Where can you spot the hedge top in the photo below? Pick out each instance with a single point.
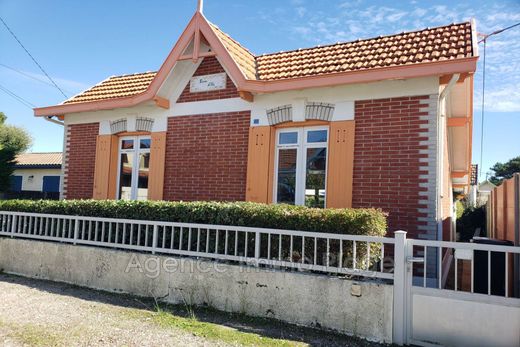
(370, 222)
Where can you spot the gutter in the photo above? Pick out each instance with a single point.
(50, 119)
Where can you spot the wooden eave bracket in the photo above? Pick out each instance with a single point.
(247, 96)
(445, 79)
(162, 102)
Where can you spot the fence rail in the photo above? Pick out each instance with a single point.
(417, 267)
(492, 264)
(311, 251)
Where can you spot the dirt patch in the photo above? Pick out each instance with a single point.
(43, 313)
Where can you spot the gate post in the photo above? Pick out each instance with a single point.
(399, 307)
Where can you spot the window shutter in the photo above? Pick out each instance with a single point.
(114, 161)
(102, 166)
(341, 164)
(257, 188)
(157, 161)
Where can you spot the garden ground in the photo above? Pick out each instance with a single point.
(43, 313)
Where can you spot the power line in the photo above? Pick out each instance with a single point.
(33, 59)
(17, 97)
(484, 40)
(498, 32)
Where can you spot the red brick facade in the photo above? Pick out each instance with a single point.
(206, 157)
(80, 160)
(386, 159)
(209, 66)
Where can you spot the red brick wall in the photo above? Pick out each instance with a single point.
(386, 159)
(209, 65)
(81, 157)
(206, 157)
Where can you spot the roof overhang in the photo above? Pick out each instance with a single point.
(465, 65)
(37, 166)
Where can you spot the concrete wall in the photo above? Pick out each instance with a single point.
(304, 299)
(458, 319)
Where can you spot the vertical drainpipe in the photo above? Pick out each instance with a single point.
(441, 126)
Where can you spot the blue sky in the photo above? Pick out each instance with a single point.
(80, 43)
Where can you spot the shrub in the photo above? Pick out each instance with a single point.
(471, 219)
(338, 221)
(370, 222)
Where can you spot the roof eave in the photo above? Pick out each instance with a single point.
(438, 68)
(461, 65)
(37, 166)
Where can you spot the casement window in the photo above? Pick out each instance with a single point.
(133, 168)
(301, 166)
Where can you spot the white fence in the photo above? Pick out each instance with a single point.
(320, 252)
(427, 275)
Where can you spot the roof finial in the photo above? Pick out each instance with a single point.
(200, 5)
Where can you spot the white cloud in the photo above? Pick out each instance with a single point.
(352, 20)
(69, 86)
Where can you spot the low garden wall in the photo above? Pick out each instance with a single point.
(330, 302)
(300, 297)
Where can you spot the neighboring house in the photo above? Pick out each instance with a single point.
(484, 192)
(36, 176)
(383, 122)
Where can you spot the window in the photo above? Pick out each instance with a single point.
(134, 165)
(301, 166)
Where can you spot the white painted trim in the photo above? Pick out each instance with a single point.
(210, 106)
(136, 151)
(301, 159)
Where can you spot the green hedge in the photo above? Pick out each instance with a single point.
(340, 221)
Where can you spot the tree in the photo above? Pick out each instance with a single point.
(13, 141)
(505, 171)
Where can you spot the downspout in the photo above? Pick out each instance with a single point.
(441, 127)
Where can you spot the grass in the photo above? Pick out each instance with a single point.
(32, 335)
(217, 332)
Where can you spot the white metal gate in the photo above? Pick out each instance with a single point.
(461, 294)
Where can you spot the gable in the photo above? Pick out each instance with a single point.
(209, 66)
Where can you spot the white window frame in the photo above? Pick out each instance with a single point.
(135, 165)
(301, 160)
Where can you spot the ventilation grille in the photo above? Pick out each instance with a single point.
(279, 114)
(143, 124)
(319, 110)
(118, 126)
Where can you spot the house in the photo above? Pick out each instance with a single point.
(37, 176)
(383, 122)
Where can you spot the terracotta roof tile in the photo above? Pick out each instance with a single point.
(429, 45)
(473, 180)
(48, 159)
(444, 43)
(115, 87)
(241, 55)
